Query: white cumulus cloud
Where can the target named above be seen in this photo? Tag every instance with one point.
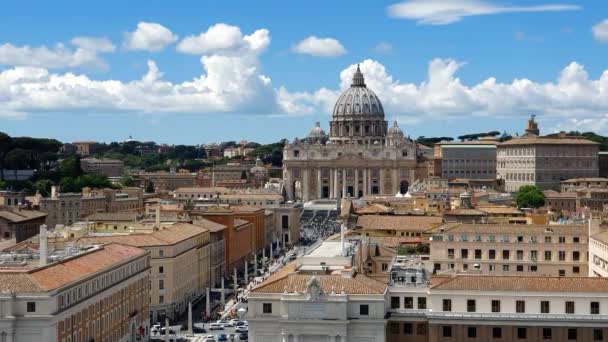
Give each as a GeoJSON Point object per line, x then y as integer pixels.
{"type": "Point", "coordinates": [223, 38]}
{"type": "Point", "coordinates": [443, 12]}
{"type": "Point", "coordinates": [84, 53]}
{"type": "Point", "coordinates": [600, 31]}
{"type": "Point", "coordinates": [149, 37]}
{"type": "Point", "coordinates": [320, 47]}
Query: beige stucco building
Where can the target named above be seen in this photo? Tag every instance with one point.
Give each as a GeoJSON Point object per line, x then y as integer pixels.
{"type": "Point", "coordinates": [545, 161]}
{"type": "Point", "coordinates": [361, 155]}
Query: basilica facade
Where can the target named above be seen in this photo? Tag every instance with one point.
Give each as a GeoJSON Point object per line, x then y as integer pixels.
{"type": "Point", "coordinates": [360, 156]}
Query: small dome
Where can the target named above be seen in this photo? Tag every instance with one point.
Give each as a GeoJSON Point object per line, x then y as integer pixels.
{"type": "Point", "coordinates": [395, 130]}
{"type": "Point", "coordinates": [317, 134]}
{"type": "Point", "coordinates": [259, 167]}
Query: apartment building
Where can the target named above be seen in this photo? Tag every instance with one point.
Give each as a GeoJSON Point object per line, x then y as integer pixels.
{"type": "Point", "coordinates": [102, 167]}
{"type": "Point", "coordinates": [19, 224]}
{"type": "Point", "coordinates": [179, 265]}
{"type": "Point", "coordinates": [164, 180]}
{"type": "Point", "coordinates": [598, 255]}
{"type": "Point", "coordinates": [98, 293]}
{"type": "Point", "coordinates": [508, 249]}
{"type": "Point", "coordinates": [468, 160]}
{"type": "Point", "coordinates": [577, 183]}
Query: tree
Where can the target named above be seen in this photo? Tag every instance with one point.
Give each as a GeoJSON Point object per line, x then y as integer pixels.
{"type": "Point", "coordinates": [127, 180]}
{"type": "Point", "coordinates": [5, 147]}
{"type": "Point", "coordinates": [529, 196]}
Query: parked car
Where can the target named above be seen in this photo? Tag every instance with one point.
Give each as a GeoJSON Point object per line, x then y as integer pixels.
{"type": "Point", "coordinates": [228, 324]}
{"type": "Point", "coordinates": [242, 329]}
{"type": "Point", "coordinates": [209, 338]}
{"type": "Point", "coordinates": [222, 337]}
{"type": "Point", "coordinates": [216, 326]}
{"type": "Point", "coordinates": [163, 330]}
{"type": "Point", "coordinates": [198, 330]}
{"type": "Point", "coordinates": [243, 337]}
{"type": "Point", "coordinates": [239, 324]}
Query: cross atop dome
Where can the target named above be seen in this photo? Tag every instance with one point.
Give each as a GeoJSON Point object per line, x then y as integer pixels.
{"type": "Point", "coordinates": [358, 80]}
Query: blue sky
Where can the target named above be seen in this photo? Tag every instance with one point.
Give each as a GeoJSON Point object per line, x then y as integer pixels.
{"type": "Point", "coordinates": [263, 71]}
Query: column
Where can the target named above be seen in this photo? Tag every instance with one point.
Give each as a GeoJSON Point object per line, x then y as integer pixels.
{"type": "Point", "coordinates": [208, 302]}
{"type": "Point", "coordinates": [167, 329]}
{"type": "Point", "coordinates": [284, 337]}
{"type": "Point", "coordinates": [223, 294]}
{"type": "Point", "coordinates": [331, 183]}
{"type": "Point", "coordinates": [369, 181]}
{"type": "Point", "coordinates": [305, 185]}
{"type": "Point", "coordinates": [289, 184]}
{"type": "Point", "coordinates": [344, 194]}
{"type": "Point", "coordinates": [190, 318]}
{"type": "Point", "coordinates": [236, 284]}
{"type": "Point", "coordinates": [336, 184]}
{"type": "Point", "coordinates": [365, 182]}
{"type": "Point", "coordinates": [296, 338]}
{"type": "Point", "coordinates": [246, 273]}
{"type": "Point", "coordinates": [356, 187]}
{"type": "Point", "coordinates": [255, 264]}
{"type": "Point", "coordinates": [319, 184]}
{"type": "Point", "coordinates": [382, 177]}
{"type": "Point", "coordinates": [395, 180]}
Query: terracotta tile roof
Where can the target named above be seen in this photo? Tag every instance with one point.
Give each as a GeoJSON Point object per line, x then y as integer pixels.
{"type": "Point", "coordinates": [547, 141]}
{"type": "Point", "coordinates": [500, 210]}
{"type": "Point", "coordinates": [465, 212]}
{"type": "Point", "coordinates": [67, 271]}
{"type": "Point", "coordinates": [398, 241]}
{"type": "Point", "coordinates": [457, 228]}
{"type": "Point", "coordinates": [398, 222]}
{"type": "Point", "coordinates": [204, 189]}
{"type": "Point", "coordinates": [519, 283]}
{"type": "Point", "coordinates": [126, 216]}
{"type": "Point", "coordinates": [167, 236]}
{"type": "Point", "coordinates": [601, 237]}
{"type": "Point", "coordinates": [20, 215]}
{"type": "Point", "coordinates": [207, 224]}
{"type": "Point", "coordinates": [359, 284]}
{"type": "Point", "coordinates": [375, 208]}
{"type": "Point", "coordinates": [239, 222]}
{"type": "Point", "coordinates": [554, 194]}
{"type": "Point", "coordinates": [589, 179]}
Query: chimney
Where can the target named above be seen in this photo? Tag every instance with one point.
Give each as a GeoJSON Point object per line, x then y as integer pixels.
{"type": "Point", "coordinates": [54, 191]}
{"type": "Point", "coordinates": [43, 245]}
{"type": "Point", "coordinates": [157, 222]}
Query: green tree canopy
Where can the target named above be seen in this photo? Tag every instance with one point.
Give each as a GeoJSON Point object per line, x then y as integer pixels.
{"type": "Point", "coordinates": [529, 196]}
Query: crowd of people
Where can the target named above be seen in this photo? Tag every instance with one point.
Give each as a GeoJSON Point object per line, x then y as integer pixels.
{"type": "Point", "coordinates": [317, 225]}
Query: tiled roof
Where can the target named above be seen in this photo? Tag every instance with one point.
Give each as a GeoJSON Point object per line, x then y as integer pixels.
{"type": "Point", "coordinates": [512, 229]}
{"type": "Point", "coordinates": [167, 236]}
{"type": "Point", "coordinates": [70, 270]}
{"type": "Point", "coordinates": [499, 209]}
{"type": "Point", "coordinates": [20, 215]}
{"type": "Point", "coordinates": [554, 194]}
{"type": "Point", "coordinates": [465, 212]}
{"type": "Point", "coordinates": [207, 224]}
{"type": "Point", "coordinates": [375, 208]}
{"type": "Point", "coordinates": [602, 237]}
{"type": "Point", "coordinates": [359, 284]}
{"type": "Point", "coordinates": [590, 179]}
{"type": "Point", "coordinates": [124, 216]}
{"type": "Point", "coordinates": [239, 222]}
{"type": "Point", "coordinates": [519, 283]}
{"type": "Point", "coordinates": [398, 222]}
{"type": "Point", "coordinates": [204, 189]}
{"type": "Point", "coordinates": [547, 141]}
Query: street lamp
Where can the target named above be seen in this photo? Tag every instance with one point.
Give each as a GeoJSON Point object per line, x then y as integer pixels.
{"type": "Point", "coordinates": [241, 312]}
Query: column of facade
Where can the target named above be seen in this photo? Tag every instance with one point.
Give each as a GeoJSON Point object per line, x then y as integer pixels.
{"type": "Point", "coordinates": [319, 184]}
{"type": "Point", "coordinates": [289, 184]}
{"type": "Point", "coordinates": [381, 182]}
{"type": "Point", "coordinates": [305, 185]}
{"type": "Point", "coordinates": [395, 180]}
{"type": "Point", "coordinates": [336, 184]}
{"type": "Point", "coordinates": [296, 338]}
{"type": "Point", "coordinates": [330, 182]}
{"type": "Point", "coordinates": [365, 182]}
{"type": "Point", "coordinates": [369, 181]}
{"type": "Point", "coordinates": [356, 187]}
{"type": "Point", "coordinates": [344, 194]}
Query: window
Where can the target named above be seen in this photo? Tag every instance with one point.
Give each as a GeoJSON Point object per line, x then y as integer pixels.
{"type": "Point", "coordinates": [31, 306]}
{"type": "Point", "coordinates": [544, 306]}
{"type": "Point", "coordinates": [364, 310]}
{"type": "Point", "coordinates": [408, 302]}
{"type": "Point", "coordinates": [161, 269]}
{"type": "Point", "coordinates": [520, 239]}
{"type": "Point", "coordinates": [491, 254]}
{"type": "Point", "coordinates": [161, 284]}
{"type": "Point", "coordinates": [394, 327]}
{"type": "Point", "coordinates": [520, 268]}
{"type": "Point", "coordinates": [492, 268]}
{"type": "Point", "coordinates": [495, 306]}
{"type": "Point", "coordinates": [447, 305]}
{"type": "Point", "coordinates": [464, 253]}
{"type": "Point", "coordinates": [505, 268]}
{"type": "Point", "coordinates": [562, 239]}
{"type": "Point", "coordinates": [576, 269]}
{"type": "Point", "coordinates": [478, 254]}
{"type": "Point", "coordinates": [522, 333]}
{"type": "Point", "coordinates": [407, 328]}
{"type": "Point", "coordinates": [520, 255]}
{"type": "Point", "coordinates": [505, 254]}
{"type": "Point", "coordinates": [547, 239]}
{"type": "Point", "coordinates": [598, 334]}
{"type": "Point", "coordinates": [395, 302]}
{"type": "Point", "coordinates": [595, 308]}
{"type": "Point", "coordinates": [470, 305]}
{"type": "Point", "coordinates": [569, 307]}
{"type": "Point", "coordinates": [547, 255]}
{"type": "Point", "coordinates": [533, 255]}
{"type": "Point", "coordinates": [572, 334]}
{"type": "Point", "coordinates": [496, 332]}
{"type": "Point", "coordinates": [562, 273]}
{"type": "Point", "coordinates": [285, 222]}
{"type": "Point", "coordinates": [576, 239]}
{"type": "Point", "coordinates": [547, 333]}
{"type": "Point", "coordinates": [296, 153]}
{"type": "Point", "coordinates": [561, 255]}
{"type": "Point", "coordinates": [451, 253]}
{"type": "Point", "coordinates": [161, 253]}
{"type": "Point", "coordinates": [422, 303]}
{"type": "Point", "coordinates": [421, 329]}
{"type": "Point", "coordinates": [267, 308]}
{"type": "Point", "coordinates": [161, 299]}
{"type": "Point", "coordinates": [447, 331]}
{"type": "Point", "coordinates": [472, 332]}
{"type": "Point", "coordinates": [520, 306]}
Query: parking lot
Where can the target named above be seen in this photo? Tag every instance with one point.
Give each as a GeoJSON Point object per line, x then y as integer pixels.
{"type": "Point", "coordinates": [229, 332]}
